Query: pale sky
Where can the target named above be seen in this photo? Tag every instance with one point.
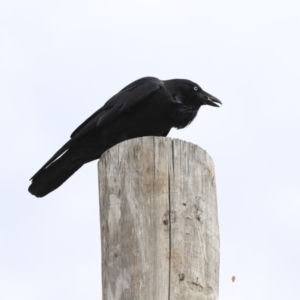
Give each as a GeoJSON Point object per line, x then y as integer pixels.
{"type": "Point", "coordinates": [61, 60]}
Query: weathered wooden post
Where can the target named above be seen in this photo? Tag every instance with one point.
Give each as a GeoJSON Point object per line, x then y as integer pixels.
{"type": "Point", "coordinates": [159, 223]}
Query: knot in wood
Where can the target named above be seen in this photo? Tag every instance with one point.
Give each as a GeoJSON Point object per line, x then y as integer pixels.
{"type": "Point", "coordinates": [166, 218]}
{"type": "Point", "coordinates": [181, 277]}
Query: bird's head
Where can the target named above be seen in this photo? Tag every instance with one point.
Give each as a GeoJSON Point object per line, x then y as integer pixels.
{"type": "Point", "coordinates": [190, 94]}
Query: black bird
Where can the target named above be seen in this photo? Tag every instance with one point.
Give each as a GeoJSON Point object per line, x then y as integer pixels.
{"type": "Point", "coordinates": [146, 107]}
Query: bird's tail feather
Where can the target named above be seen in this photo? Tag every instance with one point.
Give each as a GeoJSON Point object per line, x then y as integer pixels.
{"type": "Point", "coordinates": [53, 176]}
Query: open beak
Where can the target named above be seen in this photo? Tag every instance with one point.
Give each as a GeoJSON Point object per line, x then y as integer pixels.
{"type": "Point", "coordinates": [209, 99]}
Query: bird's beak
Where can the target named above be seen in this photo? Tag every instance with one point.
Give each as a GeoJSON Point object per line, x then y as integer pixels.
{"type": "Point", "coordinates": [209, 99]}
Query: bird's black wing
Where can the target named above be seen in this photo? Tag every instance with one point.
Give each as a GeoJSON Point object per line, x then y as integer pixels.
{"type": "Point", "coordinates": [128, 97]}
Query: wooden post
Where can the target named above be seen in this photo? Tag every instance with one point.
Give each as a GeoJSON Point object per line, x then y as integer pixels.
{"type": "Point", "coordinates": [159, 223]}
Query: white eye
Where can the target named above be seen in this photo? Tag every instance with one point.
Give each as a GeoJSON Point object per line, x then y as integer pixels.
{"type": "Point", "coordinates": [195, 88]}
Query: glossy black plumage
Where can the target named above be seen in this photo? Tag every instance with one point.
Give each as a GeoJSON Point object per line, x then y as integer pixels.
{"type": "Point", "coordinates": [146, 107]}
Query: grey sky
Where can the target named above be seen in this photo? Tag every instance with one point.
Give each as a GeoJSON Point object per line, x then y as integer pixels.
{"type": "Point", "coordinates": [61, 60]}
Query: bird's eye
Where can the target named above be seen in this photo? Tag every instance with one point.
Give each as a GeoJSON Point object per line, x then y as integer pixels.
{"type": "Point", "coordinates": [195, 88]}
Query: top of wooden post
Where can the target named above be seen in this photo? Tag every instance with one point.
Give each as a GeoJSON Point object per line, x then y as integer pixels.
{"type": "Point", "coordinates": [159, 222]}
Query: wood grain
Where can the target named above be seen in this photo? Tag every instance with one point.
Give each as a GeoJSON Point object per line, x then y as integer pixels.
{"type": "Point", "coordinates": [159, 223]}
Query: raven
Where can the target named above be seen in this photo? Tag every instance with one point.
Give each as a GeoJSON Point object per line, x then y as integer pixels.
{"type": "Point", "coordinates": [145, 107]}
